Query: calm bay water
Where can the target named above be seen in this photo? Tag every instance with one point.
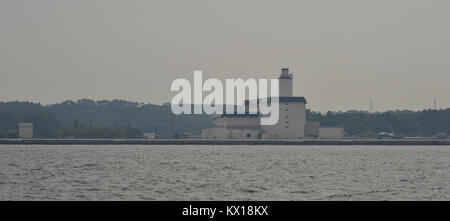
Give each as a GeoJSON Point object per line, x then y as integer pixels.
{"type": "Point", "coordinates": [224, 172]}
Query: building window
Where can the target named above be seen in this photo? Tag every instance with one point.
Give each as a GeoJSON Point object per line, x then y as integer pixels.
{"type": "Point", "coordinates": [287, 109]}
{"type": "Point", "coordinates": [287, 126]}
{"type": "Point", "coordinates": [287, 116]}
{"type": "Point", "coordinates": [287, 122]}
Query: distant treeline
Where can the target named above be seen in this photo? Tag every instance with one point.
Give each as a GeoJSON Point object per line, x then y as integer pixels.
{"type": "Point", "coordinates": [97, 119]}
{"type": "Point", "coordinates": [123, 119]}
{"type": "Point", "coordinates": [402, 123]}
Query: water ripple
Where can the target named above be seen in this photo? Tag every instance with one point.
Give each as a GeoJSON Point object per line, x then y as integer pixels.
{"type": "Point", "coordinates": [224, 173]}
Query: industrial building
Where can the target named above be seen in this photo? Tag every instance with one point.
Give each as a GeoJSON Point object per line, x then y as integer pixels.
{"type": "Point", "coordinates": [312, 129]}
{"type": "Point", "coordinates": [25, 130]}
{"type": "Point", "coordinates": [291, 124]}
{"type": "Point", "coordinates": [331, 132]}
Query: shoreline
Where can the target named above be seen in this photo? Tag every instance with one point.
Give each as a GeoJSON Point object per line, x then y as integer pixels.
{"type": "Point", "coordinates": [345, 141]}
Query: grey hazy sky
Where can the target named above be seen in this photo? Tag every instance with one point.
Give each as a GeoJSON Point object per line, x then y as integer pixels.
{"type": "Point", "coordinates": [342, 53]}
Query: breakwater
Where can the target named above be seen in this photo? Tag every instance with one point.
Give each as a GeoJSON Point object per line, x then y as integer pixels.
{"type": "Point", "coordinates": [345, 141]}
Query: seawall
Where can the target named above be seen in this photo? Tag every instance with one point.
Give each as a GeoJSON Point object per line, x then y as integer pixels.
{"type": "Point", "coordinates": [223, 142]}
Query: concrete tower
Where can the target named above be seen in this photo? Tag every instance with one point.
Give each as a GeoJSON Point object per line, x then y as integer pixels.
{"type": "Point", "coordinates": [285, 83]}
{"type": "Point", "coordinates": [292, 118]}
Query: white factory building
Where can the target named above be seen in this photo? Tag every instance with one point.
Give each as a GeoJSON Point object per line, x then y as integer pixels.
{"type": "Point", "coordinates": [291, 124]}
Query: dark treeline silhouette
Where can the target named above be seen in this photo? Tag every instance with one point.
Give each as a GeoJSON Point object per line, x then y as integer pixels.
{"type": "Point", "coordinates": [123, 119]}
{"type": "Point", "coordinates": [402, 123]}
{"type": "Point", "coordinates": [97, 119]}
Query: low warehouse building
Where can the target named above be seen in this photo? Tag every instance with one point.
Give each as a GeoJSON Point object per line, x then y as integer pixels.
{"type": "Point", "coordinates": [312, 129]}
{"type": "Point", "coordinates": [331, 132]}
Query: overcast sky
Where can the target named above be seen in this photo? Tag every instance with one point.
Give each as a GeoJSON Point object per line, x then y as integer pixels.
{"type": "Point", "coordinates": [342, 53]}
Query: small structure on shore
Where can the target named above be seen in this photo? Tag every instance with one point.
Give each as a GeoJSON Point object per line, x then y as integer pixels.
{"type": "Point", "coordinates": [331, 132]}
{"type": "Point", "coordinates": [25, 130]}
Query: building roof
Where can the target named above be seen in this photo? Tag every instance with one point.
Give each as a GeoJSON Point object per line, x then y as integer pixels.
{"type": "Point", "coordinates": [285, 99]}
{"type": "Point", "coordinates": [240, 115]}
{"type": "Point", "coordinates": [293, 99]}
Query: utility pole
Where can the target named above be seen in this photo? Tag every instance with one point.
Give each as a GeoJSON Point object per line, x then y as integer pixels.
{"type": "Point", "coordinates": [435, 103]}
{"type": "Point", "coordinates": [371, 105]}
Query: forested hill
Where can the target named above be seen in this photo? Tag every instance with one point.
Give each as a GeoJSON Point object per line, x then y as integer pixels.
{"type": "Point", "coordinates": [52, 120]}
{"type": "Point", "coordinates": [403, 123]}
{"type": "Point", "coordinates": [123, 119]}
